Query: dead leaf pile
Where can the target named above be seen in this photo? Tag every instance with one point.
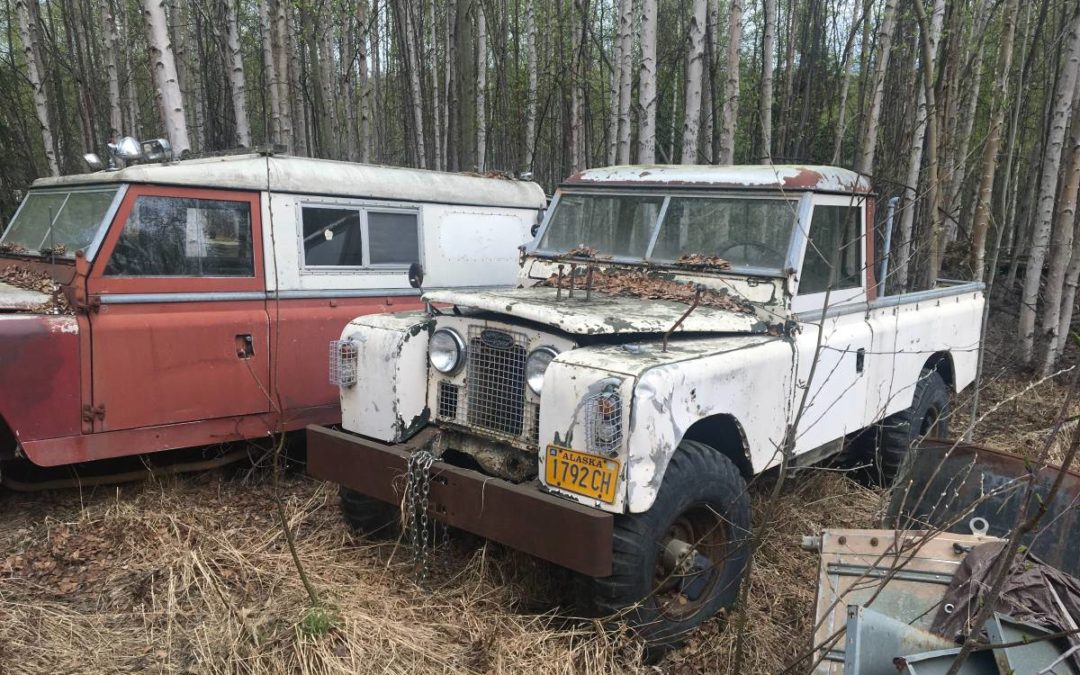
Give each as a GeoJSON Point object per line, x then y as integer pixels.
{"type": "Point", "coordinates": [11, 247]}
{"type": "Point", "coordinates": [583, 251]}
{"type": "Point", "coordinates": [649, 285]}
{"type": "Point", "coordinates": [702, 262]}
{"type": "Point", "coordinates": [29, 279]}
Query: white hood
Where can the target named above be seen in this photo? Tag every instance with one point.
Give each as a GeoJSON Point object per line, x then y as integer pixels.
{"type": "Point", "coordinates": [602, 314]}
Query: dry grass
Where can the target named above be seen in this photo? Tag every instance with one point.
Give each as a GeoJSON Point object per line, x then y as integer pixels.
{"type": "Point", "coordinates": [192, 576]}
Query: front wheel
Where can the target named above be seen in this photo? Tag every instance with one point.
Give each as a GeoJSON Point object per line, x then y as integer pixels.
{"type": "Point", "coordinates": [369, 517]}
{"type": "Point", "coordinates": [681, 561]}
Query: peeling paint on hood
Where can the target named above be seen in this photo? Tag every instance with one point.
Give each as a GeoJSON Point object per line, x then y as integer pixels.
{"type": "Point", "coordinates": [791, 177]}
{"type": "Point", "coordinates": [602, 314]}
{"type": "Point", "coordinates": [20, 300]}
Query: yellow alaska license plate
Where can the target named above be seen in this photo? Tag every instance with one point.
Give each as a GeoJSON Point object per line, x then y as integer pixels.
{"type": "Point", "coordinates": [582, 473]}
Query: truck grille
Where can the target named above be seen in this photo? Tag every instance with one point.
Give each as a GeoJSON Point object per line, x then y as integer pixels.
{"type": "Point", "coordinates": [495, 395]}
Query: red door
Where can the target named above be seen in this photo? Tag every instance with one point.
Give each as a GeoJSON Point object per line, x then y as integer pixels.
{"type": "Point", "coordinates": [182, 332]}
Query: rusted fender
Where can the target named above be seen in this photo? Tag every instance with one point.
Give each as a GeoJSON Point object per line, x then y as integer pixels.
{"type": "Point", "coordinates": [39, 369]}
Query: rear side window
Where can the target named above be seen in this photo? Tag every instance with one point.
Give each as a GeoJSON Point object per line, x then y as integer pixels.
{"type": "Point", "coordinates": [834, 252]}
{"type": "Point", "coordinates": [332, 237]}
{"type": "Point", "coordinates": [183, 237]}
{"type": "Point", "coordinates": [359, 237]}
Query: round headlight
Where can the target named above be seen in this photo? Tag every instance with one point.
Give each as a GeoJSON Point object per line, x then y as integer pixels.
{"type": "Point", "coordinates": [445, 350]}
{"type": "Point", "coordinates": [536, 365]}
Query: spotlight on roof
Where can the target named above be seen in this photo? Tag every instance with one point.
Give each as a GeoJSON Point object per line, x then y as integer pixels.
{"type": "Point", "coordinates": [93, 161]}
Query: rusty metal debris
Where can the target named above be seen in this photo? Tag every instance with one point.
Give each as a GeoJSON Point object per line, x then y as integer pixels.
{"type": "Point", "coordinates": [879, 592]}
{"type": "Point", "coordinates": [29, 279]}
{"type": "Point", "coordinates": [949, 484]}
{"type": "Point", "coordinates": [651, 285]}
{"type": "Point", "coordinates": [901, 574]}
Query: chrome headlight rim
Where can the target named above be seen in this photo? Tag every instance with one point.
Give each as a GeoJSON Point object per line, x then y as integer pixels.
{"type": "Point", "coordinates": [459, 353]}
{"type": "Point", "coordinates": [546, 351]}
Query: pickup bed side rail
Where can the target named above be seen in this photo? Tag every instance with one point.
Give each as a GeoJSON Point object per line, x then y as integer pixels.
{"type": "Point", "coordinates": [958, 288]}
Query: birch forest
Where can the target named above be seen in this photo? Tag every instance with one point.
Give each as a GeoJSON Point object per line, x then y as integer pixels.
{"type": "Point", "coordinates": [962, 111]}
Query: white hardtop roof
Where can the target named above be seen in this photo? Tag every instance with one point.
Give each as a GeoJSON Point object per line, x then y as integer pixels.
{"type": "Point", "coordinates": [319, 176]}
{"type": "Point", "coordinates": [755, 176]}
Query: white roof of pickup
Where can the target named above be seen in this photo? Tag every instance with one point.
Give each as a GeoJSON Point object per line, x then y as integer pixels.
{"type": "Point", "coordinates": [756, 176]}
{"type": "Point", "coordinates": [319, 176]}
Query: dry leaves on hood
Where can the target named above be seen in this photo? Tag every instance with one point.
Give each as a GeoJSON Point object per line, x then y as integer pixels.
{"type": "Point", "coordinates": [29, 279]}
{"type": "Point", "coordinates": [649, 285]}
{"type": "Point", "coordinates": [702, 262]}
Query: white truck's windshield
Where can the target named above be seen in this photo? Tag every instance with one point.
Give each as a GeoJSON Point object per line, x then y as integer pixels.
{"type": "Point", "coordinates": [58, 222]}
{"type": "Point", "coordinates": [748, 232]}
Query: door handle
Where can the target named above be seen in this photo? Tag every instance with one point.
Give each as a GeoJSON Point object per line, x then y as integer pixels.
{"type": "Point", "coordinates": [245, 346]}
{"type": "Point", "coordinates": [860, 359]}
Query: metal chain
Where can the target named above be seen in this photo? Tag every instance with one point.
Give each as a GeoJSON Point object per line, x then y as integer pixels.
{"type": "Point", "coordinates": [417, 492]}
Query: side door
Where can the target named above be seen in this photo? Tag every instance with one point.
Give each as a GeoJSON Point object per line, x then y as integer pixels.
{"type": "Point", "coordinates": [831, 302]}
{"type": "Point", "coordinates": [180, 332]}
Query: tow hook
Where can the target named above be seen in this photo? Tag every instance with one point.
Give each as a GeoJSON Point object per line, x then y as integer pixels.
{"type": "Point", "coordinates": [692, 571]}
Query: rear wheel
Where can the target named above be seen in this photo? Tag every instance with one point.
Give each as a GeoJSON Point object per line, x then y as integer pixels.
{"type": "Point", "coordinates": [681, 561]}
{"type": "Point", "coordinates": [928, 417]}
{"type": "Point", "coordinates": [370, 517]}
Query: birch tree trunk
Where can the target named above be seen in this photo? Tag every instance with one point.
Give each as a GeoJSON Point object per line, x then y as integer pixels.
{"type": "Point", "coordinates": [767, 81]}
{"type": "Point", "coordinates": [865, 163]}
{"type": "Point", "coordinates": [282, 54]}
{"type": "Point", "coordinates": [906, 226]}
{"type": "Point", "coordinates": [349, 58]}
{"type": "Point", "coordinates": [363, 82]}
{"type": "Point", "coordinates": [694, 70]}
{"type": "Point", "coordinates": [1062, 100]}
{"type": "Point", "coordinates": [578, 18]}
{"type": "Point", "coordinates": [981, 219]}
{"type": "Point", "coordinates": [170, 101]}
{"type": "Point", "coordinates": [433, 60]}
{"type": "Point", "coordinates": [932, 191]}
{"type": "Point", "coordinates": [612, 121]}
{"type": "Point", "coordinates": [266, 22]}
{"type": "Point", "coordinates": [112, 43]}
{"type": "Point", "coordinates": [626, 60]}
{"type": "Point", "coordinates": [330, 144]}
{"type": "Point", "coordinates": [731, 87]}
{"type": "Point", "coordinates": [845, 86]}
{"type": "Point", "coordinates": [28, 33]}
{"type": "Point", "coordinates": [531, 58]}
{"type": "Point", "coordinates": [1066, 222]}
{"type": "Point", "coordinates": [237, 82]}
{"type": "Point", "coordinates": [481, 87]}
{"type": "Point", "coordinates": [376, 76]}
{"type": "Point", "coordinates": [1064, 237]}
{"type": "Point", "coordinates": [647, 85]}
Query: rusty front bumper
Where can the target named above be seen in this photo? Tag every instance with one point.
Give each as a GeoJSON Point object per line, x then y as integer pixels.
{"type": "Point", "coordinates": [520, 516]}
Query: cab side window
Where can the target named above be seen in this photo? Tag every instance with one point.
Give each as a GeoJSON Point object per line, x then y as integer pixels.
{"type": "Point", "coordinates": [184, 237]}
{"type": "Point", "coordinates": [833, 251]}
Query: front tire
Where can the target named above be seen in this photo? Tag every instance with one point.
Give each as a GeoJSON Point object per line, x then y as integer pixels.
{"type": "Point", "coordinates": [682, 561]}
{"type": "Point", "coordinates": [370, 517]}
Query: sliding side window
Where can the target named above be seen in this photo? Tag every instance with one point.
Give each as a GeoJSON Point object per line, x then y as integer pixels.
{"type": "Point", "coordinates": [359, 237]}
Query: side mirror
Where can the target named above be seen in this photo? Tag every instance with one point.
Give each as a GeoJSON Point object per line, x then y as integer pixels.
{"type": "Point", "coordinates": [416, 275]}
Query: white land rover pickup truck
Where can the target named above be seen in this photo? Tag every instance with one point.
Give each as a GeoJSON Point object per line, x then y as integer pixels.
{"type": "Point", "coordinates": [672, 323]}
